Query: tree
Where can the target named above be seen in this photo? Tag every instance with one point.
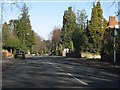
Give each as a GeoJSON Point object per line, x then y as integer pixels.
{"type": "Point", "coordinates": [12, 43]}
{"type": "Point", "coordinates": [9, 40]}
{"type": "Point", "coordinates": [19, 33]}
{"type": "Point", "coordinates": [69, 25]}
{"type": "Point", "coordinates": [79, 37]}
{"type": "Point", "coordinates": [47, 46]}
{"type": "Point", "coordinates": [13, 27]}
{"type": "Point", "coordinates": [24, 29]}
{"type": "Point", "coordinates": [5, 33]}
{"type": "Point", "coordinates": [40, 46]}
{"type": "Point", "coordinates": [108, 44]}
{"type": "Point", "coordinates": [106, 38]}
{"type": "Point", "coordinates": [95, 30]}
{"type": "Point", "coordinates": [77, 40]}
{"type": "Point", "coordinates": [56, 38]}
{"type": "Point", "coordinates": [81, 19]}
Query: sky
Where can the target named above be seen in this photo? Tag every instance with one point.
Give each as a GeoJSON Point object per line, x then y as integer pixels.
{"type": "Point", "coordinates": [45, 15]}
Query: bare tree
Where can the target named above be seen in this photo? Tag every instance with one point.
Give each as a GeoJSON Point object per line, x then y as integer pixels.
{"type": "Point", "coordinates": [55, 38]}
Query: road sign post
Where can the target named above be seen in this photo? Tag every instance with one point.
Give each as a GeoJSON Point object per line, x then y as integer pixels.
{"type": "Point", "coordinates": [114, 53]}
{"type": "Point", "coordinates": [115, 34]}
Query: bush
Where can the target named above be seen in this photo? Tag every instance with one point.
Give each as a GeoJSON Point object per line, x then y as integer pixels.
{"type": "Point", "coordinates": [56, 52]}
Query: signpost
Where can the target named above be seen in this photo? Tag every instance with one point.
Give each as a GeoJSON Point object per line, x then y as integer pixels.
{"type": "Point", "coordinates": [115, 34]}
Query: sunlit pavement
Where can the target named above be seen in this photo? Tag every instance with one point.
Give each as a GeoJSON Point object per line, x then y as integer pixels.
{"type": "Point", "coordinates": [59, 72]}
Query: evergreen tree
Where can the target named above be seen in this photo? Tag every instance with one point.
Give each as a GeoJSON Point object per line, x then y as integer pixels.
{"type": "Point", "coordinates": [5, 33]}
{"type": "Point", "coordinates": [69, 25]}
{"type": "Point", "coordinates": [13, 27]}
{"type": "Point", "coordinates": [19, 33]}
{"type": "Point", "coordinates": [9, 40]}
{"type": "Point", "coordinates": [95, 30]}
{"type": "Point", "coordinates": [79, 37]}
{"type": "Point", "coordinates": [81, 19]}
{"type": "Point", "coordinates": [107, 40]}
{"type": "Point", "coordinates": [24, 29]}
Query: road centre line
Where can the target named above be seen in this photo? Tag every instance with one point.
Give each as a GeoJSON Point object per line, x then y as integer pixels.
{"type": "Point", "coordinates": [77, 79]}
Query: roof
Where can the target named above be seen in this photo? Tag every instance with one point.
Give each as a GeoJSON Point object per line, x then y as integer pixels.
{"type": "Point", "coordinates": [112, 22]}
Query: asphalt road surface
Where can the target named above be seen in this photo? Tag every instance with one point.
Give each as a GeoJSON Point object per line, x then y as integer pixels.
{"type": "Point", "coordinates": [57, 72]}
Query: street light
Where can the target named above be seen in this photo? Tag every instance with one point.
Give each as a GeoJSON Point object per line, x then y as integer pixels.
{"type": "Point", "coordinates": [115, 34]}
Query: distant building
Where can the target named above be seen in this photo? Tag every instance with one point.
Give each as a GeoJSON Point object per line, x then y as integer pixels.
{"type": "Point", "coordinates": [112, 22]}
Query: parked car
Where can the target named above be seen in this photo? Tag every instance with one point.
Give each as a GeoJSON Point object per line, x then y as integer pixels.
{"type": "Point", "coordinates": [19, 54]}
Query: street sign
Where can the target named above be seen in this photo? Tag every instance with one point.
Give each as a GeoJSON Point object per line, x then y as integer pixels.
{"type": "Point", "coordinates": [116, 26]}
{"type": "Point", "coordinates": [115, 33]}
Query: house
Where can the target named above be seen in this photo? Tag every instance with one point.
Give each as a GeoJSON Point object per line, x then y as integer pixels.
{"type": "Point", "coordinates": [112, 22]}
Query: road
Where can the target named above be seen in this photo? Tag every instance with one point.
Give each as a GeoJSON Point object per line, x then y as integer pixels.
{"type": "Point", "coordinates": [57, 72]}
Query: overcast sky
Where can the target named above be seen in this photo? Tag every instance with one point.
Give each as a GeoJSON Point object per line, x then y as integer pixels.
{"type": "Point", "coordinates": [46, 15]}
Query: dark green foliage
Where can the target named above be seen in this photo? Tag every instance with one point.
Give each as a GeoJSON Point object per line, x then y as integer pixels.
{"type": "Point", "coordinates": [69, 25]}
{"type": "Point", "coordinates": [79, 37]}
{"type": "Point", "coordinates": [107, 42]}
{"type": "Point", "coordinates": [95, 29]}
{"type": "Point", "coordinates": [12, 42]}
{"type": "Point", "coordinates": [107, 51]}
{"type": "Point", "coordinates": [81, 19]}
{"type": "Point", "coordinates": [8, 38]}
{"type": "Point", "coordinates": [77, 40]}
{"type": "Point", "coordinates": [25, 33]}
{"type": "Point", "coordinates": [18, 33]}
{"type": "Point", "coordinates": [80, 41]}
{"type": "Point", "coordinates": [5, 33]}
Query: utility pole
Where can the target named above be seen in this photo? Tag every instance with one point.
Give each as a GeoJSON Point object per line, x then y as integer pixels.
{"type": "Point", "coordinates": [1, 23]}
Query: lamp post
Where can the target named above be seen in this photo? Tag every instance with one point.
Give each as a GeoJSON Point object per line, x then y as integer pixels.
{"type": "Point", "coordinates": [115, 34]}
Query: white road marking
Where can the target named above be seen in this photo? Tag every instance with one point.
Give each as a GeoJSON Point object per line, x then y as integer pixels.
{"type": "Point", "coordinates": [77, 79]}
{"type": "Point", "coordinates": [59, 68]}
{"type": "Point", "coordinates": [56, 66]}
{"type": "Point", "coordinates": [49, 63]}
{"type": "Point", "coordinates": [70, 75]}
